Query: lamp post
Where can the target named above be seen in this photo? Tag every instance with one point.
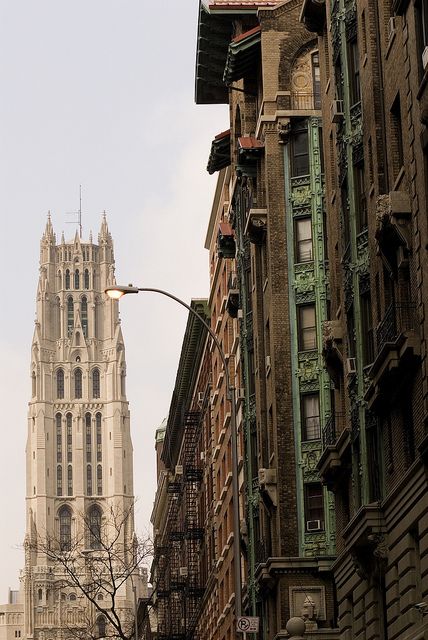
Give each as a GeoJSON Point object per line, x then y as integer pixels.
{"type": "Point", "coordinates": [117, 292]}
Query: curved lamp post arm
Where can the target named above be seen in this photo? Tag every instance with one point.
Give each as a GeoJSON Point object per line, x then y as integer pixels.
{"type": "Point", "coordinates": [117, 292]}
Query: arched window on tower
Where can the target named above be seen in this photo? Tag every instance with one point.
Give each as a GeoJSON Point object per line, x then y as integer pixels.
{"type": "Point", "coordinates": [101, 627]}
{"type": "Point", "coordinates": [58, 438]}
{"type": "Point", "coordinates": [84, 315]}
{"type": "Point", "coordinates": [33, 384]}
{"type": "Point", "coordinates": [99, 480]}
{"type": "Point", "coordinates": [57, 318]}
{"type": "Point", "coordinates": [78, 383]}
{"type": "Point", "coordinates": [70, 316]}
{"type": "Point", "coordinates": [86, 279]}
{"type": "Point", "coordinates": [59, 480]}
{"type": "Point", "coordinates": [69, 420]}
{"type": "Point", "coordinates": [70, 480]}
{"type": "Point", "coordinates": [99, 437]}
{"type": "Point", "coordinates": [96, 383]}
{"type": "Point", "coordinates": [67, 278]}
{"type": "Point", "coordinates": [88, 429]}
{"type": "Point", "coordinates": [64, 515]}
{"type": "Point", "coordinates": [77, 279]}
{"type": "Point", "coordinates": [60, 384]}
{"type": "Point", "coordinates": [89, 480]}
{"type": "Point", "coordinates": [94, 525]}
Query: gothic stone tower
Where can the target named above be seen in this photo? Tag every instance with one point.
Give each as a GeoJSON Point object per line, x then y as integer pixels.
{"type": "Point", "coordinates": [79, 451]}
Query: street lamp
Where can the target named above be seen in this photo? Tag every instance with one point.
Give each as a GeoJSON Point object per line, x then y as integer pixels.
{"type": "Point", "coordinates": [116, 293]}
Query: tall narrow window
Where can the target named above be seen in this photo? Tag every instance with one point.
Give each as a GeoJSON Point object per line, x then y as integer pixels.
{"type": "Point", "coordinates": [303, 235]}
{"type": "Point", "coordinates": [316, 79]}
{"type": "Point", "coordinates": [77, 279]}
{"type": "Point", "coordinates": [60, 384]}
{"type": "Point", "coordinates": [84, 315]}
{"type": "Point", "coordinates": [78, 383]}
{"type": "Point", "coordinates": [58, 438]}
{"type": "Point", "coordinates": [300, 153]}
{"type": "Point", "coordinates": [101, 627]}
{"type": "Point", "coordinates": [59, 480]}
{"type": "Point", "coordinates": [354, 72]}
{"type": "Point", "coordinates": [314, 507]}
{"type": "Point", "coordinates": [70, 480]}
{"type": "Point", "coordinates": [89, 480]}
{"type": "Point", "coordinates": [88, 429]}
{"type": "Point", "coordinates": [65, 528]}
{"type": "Point", "coordinates": [69, 420]}
{"type": "Point", "coordinates": [122, 382]}
{"type": "Point", "coordinates": [360, 197]}
{"type": "Point", "coordinates": [367, 328]}
{"type": "Point", "coordinates": [70, 316]}
{"type": "Point", "coordinates": [86, 279]}
{"type": "Point", "coordinates": [311, 417]}
{"type": "Point", "coordinates": [96, 383]}
{"type": "Point", "coordinates": [57, 318]}
{"type": "Point", "coordinates": [396, 140]}
{"type": "Point", "coordinates": [421, 21]}
{"type": "Point", "coordinates": [67, 278]}
{"type": "Point", "coordinates": [307, 327]}
{"type": "Point", "coordinates": [99, 480]}
{"type": "Point", "coordinates": [94, 522]}
{"type": "Point", "coordinates": [99, 437]}
{"type": "Point", "coordinates": [33, 384]}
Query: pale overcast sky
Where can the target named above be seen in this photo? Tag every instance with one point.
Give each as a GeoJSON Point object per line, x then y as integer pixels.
{"type": "Point", "coordinates": [100, 93]}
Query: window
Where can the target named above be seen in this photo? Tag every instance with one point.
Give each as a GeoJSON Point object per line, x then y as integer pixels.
{"type": "Point", "coordinates": [89, 480]}
{"type": "Point", "coordinates": [33, 384]}
{"type": "Point", "coordinates": [77, 279]}
{"type": "Point", "coordinates": [306, 328]}
{"type": "Point", "coordinates": [59, 480]}
{"type": "Point", "coordinates": [94, 522]}
{"type": "Point", "coordinates": [311, 417]}
{"type": "Point", "coordinates": [354, 72]}
{"type": "Point", "coordinates": [88, 437]}
{"type": "Point", "coordinates": [65, 528]}
{"type": "Point", "coordinates": [316, 79]}
{"type": "Point", "coordinates": [67, 278]}
{"type": "Point", "coordinates": [86, 279]}
{"type": "Point", "coordinates": [360, 197]}
{"type": "Point", "coordinates": [101, 627]}
{"type": "Point", "coordinates": [421, 21]}
{"type": "Point", "coordinates": [60, 384]}
{"type": "Point", "coordinates": [96, 383]}
{"type": "Point", "coordinates": [70, 480]}
{"type": "Point", "coordinates": [69, 420]}
{"type": "Point", "coordinates": [396, 139]}
{"type": "Point", "coordinates": [314, 506]}
{"type": "Point", "coordinates": [303, 236]}
{"type": "Point", "coordinates": [99, 437]}
{"type": "Point", "coordinates": [70, 316]}
{"type": "Point", "coordinates": [367, 329]}
{"type": "Point", "coordinates": [99, 480]}
{"type": "Point", "coordinates": [78, 383]}
{"type": "Point", "coordinates": [84, 315]}
{"type": "Point", "coordinates": [300, 153]}
{"type": "Point", "coordinates": [58, 438]}
{"type": "Point", "coordinates": [122, 382]}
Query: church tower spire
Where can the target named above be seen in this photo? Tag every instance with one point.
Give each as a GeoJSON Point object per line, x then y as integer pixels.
{"type": "Point", "coordinates": [79, 450]}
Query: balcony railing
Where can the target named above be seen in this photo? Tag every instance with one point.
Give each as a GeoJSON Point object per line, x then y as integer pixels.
{"type": "Point", "coordinates": [330, 431]}
{"type": "Point", "coordinates": [398, 318]}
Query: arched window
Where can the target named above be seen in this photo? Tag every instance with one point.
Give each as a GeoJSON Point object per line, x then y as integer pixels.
{"type": "Point", "coordinates": [60, 384]}
{"type": "Point", "coordinates": [96, 383]}
{"type": "Point", "coordinates": [101, 627]}
{"type": "Point", "coordinates": [99, 480]}
{"type": "Point", "coordinates": [58, 438]}
{"type": "Point", "coordinates": [84, 315]}
{"type": "Point", "coordinates": [89, 480]}
{"type": "Point", "coordinates": [99, 437]}
{"type": "Point", "coordinates": [69, 420]}
{"type": "Point", "coordinates": [77, 279]}
{"type": "Point", "coordinates": [72, 597]}
{"type": "Point", "coordinates": [70, 480]}
{"type": "Point", "coordinates": [78, 383]}
{"type": "Point", "coordinates": [33, 384]}
{"type": "Point", "coordinates": [40, 595]}
{"type": "Point", "coordinates": [65, 528]}
{"type": "Point", "coordinates": [70, 316]}
{"type": "Point", "coordinates": [88, 437]}
{"type": "Point", "coordinates": [94, 523]}
{"type": "Point", "coordinates": [67, 278]}
{"type": "Point", "coordinates": [59, 480]}
{"type": "Point", "coordinates": [86, 279]}
{"type": "Point", "coordinates": [57, 318]}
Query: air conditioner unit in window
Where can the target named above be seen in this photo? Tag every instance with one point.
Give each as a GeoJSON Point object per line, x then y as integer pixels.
{"type": "Point", "coordinates": [313, 525]}
{"type": "Point", "coordinates": [425, 58]}
{"type": "Point", "coordinates": [178, 469]}
{"type": "Point", "coordinates": [392, 25]}
{"type": "Point", "coordinates": [336, 110]}
{"type": "Point", "coordinates": [351, 366]}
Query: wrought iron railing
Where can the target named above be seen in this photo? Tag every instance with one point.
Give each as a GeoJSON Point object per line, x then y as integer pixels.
{"type": "Point", "coordinates": [330, 431]}
{"type": "Point", "coordinates": [397, 319]}
{"type": "Point", "coordinates": [261, 551]}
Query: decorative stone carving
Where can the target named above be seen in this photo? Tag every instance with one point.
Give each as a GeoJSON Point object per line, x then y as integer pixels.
{"type": "Point", "coordinates": [309, 603]}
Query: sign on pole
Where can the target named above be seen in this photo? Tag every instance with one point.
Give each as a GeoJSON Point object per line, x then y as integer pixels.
{"type": "Point", "coordinates": [246, 624]}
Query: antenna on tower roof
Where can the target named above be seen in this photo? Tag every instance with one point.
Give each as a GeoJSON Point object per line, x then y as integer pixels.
{"type": "Point", "coordinates": [77, 213]}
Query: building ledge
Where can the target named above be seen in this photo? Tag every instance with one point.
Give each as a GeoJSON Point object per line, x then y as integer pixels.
{"type": "Point", "coordinates": [334, 462]}
{"type": "Point", "coordinates": [267, 573]}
